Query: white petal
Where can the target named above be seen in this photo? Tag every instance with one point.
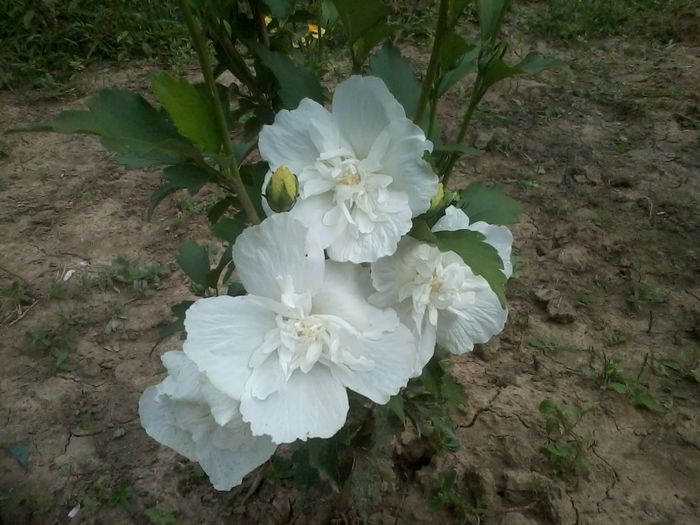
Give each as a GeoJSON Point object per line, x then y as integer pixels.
{"type": "Point", "coordinates": [159, 423]}
{"type": "Point", "coordinates": [225, 453]}
{"type": "Point", "coordinates": [483, 320]}
{"type": "Point", "coordinates": [425, 343]}
{"type": "Point", "coordinates": [394, 357]}
{"type": "Point", "coordinates": [266, 378]}
{"type": "Point", "coordinates": [453, 220]}
{"type": "Point", "coordinates": [390, 274]}
{"type": "Point", "coordinates": [381, 241]}
{"type": "Point", "coordinates": [500, 238]}
{"type": "Point", "coordinates": [402, 159]}
{"type": "Point", "coordinates": [231, 453]}
{"type": "Point", "coordinates": [311, 211]}
{"type": "Point", "coordinates": [297, 137]}
{"type": "Point", "coordinates": [184, 381]}
{"type": "Point", "coordinates": [280, 246]}
{"type": "Point", "coordinates": [345, 290]}
{"type": "Point", "coordinates": [363, 107]}
{"type": "Point", "coordinates": [312, 404]}
{"type": "Point", "coordinates": [222, 334]}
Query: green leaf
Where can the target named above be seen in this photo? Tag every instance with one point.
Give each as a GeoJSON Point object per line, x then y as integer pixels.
{"type": "Point", "coordinates": [294, 82]}
{"type": "Point", "coordinates": [398, 75]}
{"type": "Point", "coordinates": [548, 407]}
{"type": "Point", "coordinates": [463, 67]}
{"type": "Point", "coordinates": [422, 232]}
{"type": "Point", "coordinates": [489, 204]}
{"type": "Point", "coordinates": [643, 399]}
{"type": "Point", "coordinates": [126, 123]}
{"type": "Point", "coordinates": [359, 17]}
{"type": "Point", "coordinates": [280, 9]}
{"type": "Point", "coordinates": [561, 449]}
{"type": "Point", "coordinates": [190, 109]}
{"type": "Point", "coordinates": [481, 257]}
{"type": "Point", "coordinates": [491, 14]}
{"type": "Point", "coordinates": [194, 261]}
{"type": "Point", "coordinates": [179, 176]}
{"type": "Point", "coordinates": [364, 45]}
{"type": "Point", "coordinates": [451, 391]}
{"type": "Point", "coordinates": [534, 63]}
{"type": "Point", "coordinates": [219, 208]}
{"type": "Point", "coordinates": [395, 406]}
{"type": "Point", "coordinates": [228, 229]}
{"type": "Point", "coordinates": [620, 388]}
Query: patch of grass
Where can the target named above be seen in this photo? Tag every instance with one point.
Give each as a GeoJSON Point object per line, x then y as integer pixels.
{"type": "Point", "coordinates": [58, 341]}
{"type": "Point", "coordinates": [46, 42]}
{"type": "Point", "coordinates": [583, 20]}
{"type": "Point", "coordinates": [142, 278]}
{"type": "Point", "coordinates": [17, 295]}
{"type": "Point", "coordinates": [588, 300]}
{"type": "Point", "coordinates": [565, 447]}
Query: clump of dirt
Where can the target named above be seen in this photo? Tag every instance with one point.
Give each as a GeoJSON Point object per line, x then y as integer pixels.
{"type": "Point", "coordinates": [604, 316]}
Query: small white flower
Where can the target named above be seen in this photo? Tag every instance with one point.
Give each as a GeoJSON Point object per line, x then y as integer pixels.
{"type": "Point", "coordinates": [361, 171]}
{"type": "Point", "coordinates": [186, 413]}
{"type": "Point", "coordinates": [438, 295]}
{"type": "Point", "coordinates": [306, 332]}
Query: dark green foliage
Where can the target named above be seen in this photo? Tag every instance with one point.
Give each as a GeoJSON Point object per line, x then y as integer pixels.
{"type": "Point", "coordinates": [45, 41]}
{"type": "Point", "coordinates": [580, 20]}
{"type": "Point", "coordinates": [361, 458]}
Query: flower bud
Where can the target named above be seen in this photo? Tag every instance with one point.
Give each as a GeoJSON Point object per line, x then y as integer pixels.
{"type": "Point", "coordinates": [282, 191]}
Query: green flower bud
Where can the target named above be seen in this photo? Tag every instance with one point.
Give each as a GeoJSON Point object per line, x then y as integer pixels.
{"type": "Point", "coordinates": [282, 192]}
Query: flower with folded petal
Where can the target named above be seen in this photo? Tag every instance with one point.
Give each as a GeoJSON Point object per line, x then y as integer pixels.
{"type": "Point", "coordinates": [437, 294]}
{"type": "Point", "coordinates": [186, 413]}
{"type": "Point", "coordinates": [361, 171]}
{"type": "Point", "coordinates": [304, 334]}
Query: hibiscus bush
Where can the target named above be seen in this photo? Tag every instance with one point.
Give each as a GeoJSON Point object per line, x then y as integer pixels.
{"type": "Point", "coordinates": [351, 270]}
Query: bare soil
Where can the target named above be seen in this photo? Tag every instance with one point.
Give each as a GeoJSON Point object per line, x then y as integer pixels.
{"type": "Point", "coordinates": [605, 160]}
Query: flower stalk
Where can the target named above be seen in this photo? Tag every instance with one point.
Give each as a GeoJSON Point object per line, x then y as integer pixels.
{"type": "Point", "coordinates": [431, 73]}
{"type": "Point", "coordinates": [229, 165]}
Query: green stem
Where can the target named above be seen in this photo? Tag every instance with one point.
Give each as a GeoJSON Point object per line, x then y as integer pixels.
{"type": "Point", "coordinates": [229, 166]}
{"type": "Point", "coordinates": [242, 71]}
{"type": "Point", "coordinates": [430, 74]}
{"type": "Point", "coordinates": [473, 103]}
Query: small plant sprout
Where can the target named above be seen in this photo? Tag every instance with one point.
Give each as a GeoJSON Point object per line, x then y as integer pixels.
{"type": "Point", "coordinates": [565, 449]}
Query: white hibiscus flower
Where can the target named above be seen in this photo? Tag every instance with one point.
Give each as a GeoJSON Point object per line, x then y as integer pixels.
{"type": "Point", "coordinates": [438, 295]}
{"type": "Point", "coordinates": [361, 171]}
{"type": "Point", "coordinates": [186, 413]}
{"type": "Point", "coordinates": [304, 334]}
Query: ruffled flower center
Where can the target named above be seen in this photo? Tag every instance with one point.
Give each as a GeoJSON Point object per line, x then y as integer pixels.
{"type": "Point", "coordinates": [359, 190]}
{"type": "Point", "coordinates": [437, 286]}
{"type": "Point", "coordinates": [302, 338]}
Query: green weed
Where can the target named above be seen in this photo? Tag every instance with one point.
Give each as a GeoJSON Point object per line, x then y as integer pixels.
{"type": "Point", "coordinates": [162, 515]}
{"type": "Point", "coordinates": [565, 448]}
{"type": "Point", "coordinates": [612, 378]}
